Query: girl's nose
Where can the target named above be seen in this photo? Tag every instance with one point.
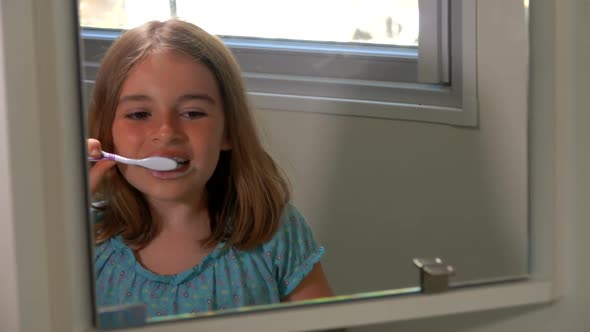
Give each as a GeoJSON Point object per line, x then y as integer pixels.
{"type": "Point", "coordinates": [168, 131]}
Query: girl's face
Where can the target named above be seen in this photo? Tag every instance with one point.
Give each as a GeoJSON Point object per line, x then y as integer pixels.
{"type": "Point", "coordinates": [170, 106]}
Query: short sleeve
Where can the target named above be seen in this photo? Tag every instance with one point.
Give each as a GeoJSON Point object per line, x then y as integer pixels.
{"type": "Point", "coordinates": [293, 251]}
{"type": "Point", "coordinates": [101, 251]}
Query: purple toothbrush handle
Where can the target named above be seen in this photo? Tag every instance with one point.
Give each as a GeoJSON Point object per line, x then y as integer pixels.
{"type": "Point", "coordinates": [105, 156]}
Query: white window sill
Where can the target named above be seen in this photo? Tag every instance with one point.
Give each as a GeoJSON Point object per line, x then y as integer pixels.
{"type": "Point", "coordinates": [367, 108]}
{"type": "Point", "coordinates": [304, 316]}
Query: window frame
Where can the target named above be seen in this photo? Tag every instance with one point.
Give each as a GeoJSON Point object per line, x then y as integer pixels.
{"type": "Point", "coordinates": [353, 80]}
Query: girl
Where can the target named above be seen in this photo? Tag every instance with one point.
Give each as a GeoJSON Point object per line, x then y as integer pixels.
{"type": "Point", "coordinates": [219, 231]}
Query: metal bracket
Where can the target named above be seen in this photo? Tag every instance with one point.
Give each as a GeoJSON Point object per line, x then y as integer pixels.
{"type": "Point", "coordinates": [434, 274]}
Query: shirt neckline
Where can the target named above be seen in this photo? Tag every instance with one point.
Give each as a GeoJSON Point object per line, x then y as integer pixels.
{"type": "Point", "coordinates": [172, 279]}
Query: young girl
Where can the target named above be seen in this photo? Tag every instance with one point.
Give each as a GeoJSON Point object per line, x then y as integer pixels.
{"type": "Point", "coordinates": [219, 231]}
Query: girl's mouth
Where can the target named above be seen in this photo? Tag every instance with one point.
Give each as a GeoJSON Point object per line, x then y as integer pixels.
{"type": "Point", "coordinates": [181, 162]}
{"type": "Point", "coordinates": [183, 168]}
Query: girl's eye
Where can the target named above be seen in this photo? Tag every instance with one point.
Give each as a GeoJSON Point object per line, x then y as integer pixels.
{"type": "Point", "coordinates": [193, 114]}
{"type": "Point", "coordinates": [139, 115]}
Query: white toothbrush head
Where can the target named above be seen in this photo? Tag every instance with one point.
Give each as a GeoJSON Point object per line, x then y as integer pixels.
{"type": "Point", "coordinates": [158, 163]}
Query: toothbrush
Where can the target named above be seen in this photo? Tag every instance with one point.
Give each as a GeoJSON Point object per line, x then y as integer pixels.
{"type": "Point", "coordinates": [153, 163]}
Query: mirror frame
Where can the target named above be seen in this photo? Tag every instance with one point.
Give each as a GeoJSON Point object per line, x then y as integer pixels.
{"type": "Point", "coordinates": [42, 180]}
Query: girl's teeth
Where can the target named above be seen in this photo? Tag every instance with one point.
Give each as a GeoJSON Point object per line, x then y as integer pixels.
{"type": "Point", "coordinates": [180, 161]}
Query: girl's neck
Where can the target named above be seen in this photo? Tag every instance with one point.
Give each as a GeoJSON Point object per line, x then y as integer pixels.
{"type": "Point", "coordinates": [178, 245]}
{"type": "Point", "coordinates": [175, 216]}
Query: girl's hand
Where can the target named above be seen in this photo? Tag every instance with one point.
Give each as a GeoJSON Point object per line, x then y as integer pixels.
{"type": "Point", "coordinates": [99, 169]}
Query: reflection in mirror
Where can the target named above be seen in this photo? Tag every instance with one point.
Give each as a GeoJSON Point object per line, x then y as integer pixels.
{"type": "Point", "coordinates": [215, 232]}
{"type": "Point", "coordinates": [360, 197]}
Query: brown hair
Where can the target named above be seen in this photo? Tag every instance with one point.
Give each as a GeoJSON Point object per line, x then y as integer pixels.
{"type": "Point", "coordinates": [247, 191]}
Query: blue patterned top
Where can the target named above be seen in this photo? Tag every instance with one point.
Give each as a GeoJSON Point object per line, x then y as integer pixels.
{"type": "Point", "coordinates": [226, 278]}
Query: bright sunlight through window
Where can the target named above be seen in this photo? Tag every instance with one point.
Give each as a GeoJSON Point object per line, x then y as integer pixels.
{"type": "Point", "coordinates": [386, 22]}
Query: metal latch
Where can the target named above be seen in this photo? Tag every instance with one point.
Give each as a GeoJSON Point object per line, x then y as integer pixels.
{"type": "Point", "coordinates": [434, 274]}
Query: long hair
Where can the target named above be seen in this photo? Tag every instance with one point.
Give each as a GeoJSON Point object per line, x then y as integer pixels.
{"type": "Point", "coordinates": [247, 191]}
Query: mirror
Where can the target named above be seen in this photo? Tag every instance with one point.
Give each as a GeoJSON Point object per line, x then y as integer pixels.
{"type": "Point", "coordinates": [376, 192]}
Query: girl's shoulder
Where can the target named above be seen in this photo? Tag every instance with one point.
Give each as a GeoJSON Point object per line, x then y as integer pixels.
{"type": "Point", "coordinates": [293, 229]}
{"type": "Point", "coordinates": [293, 250]}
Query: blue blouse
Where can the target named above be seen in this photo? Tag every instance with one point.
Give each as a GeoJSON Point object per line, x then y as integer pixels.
{"type": "Point", "coordinates": [226, 278]}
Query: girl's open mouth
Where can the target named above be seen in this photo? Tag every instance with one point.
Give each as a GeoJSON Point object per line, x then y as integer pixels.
{"type": "Point", "coordinates": [184, 166]}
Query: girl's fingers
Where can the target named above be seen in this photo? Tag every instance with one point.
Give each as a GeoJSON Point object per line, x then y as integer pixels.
{"type": "Point", "coordinates": [94, 148]}
{"type": "Point", "coordinates": [100, 168]}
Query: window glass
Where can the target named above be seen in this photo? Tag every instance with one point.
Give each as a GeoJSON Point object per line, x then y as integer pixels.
{"type": "Point", "coordinates": [385, 22]}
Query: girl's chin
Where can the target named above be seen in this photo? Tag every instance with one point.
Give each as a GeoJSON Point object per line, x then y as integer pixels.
{"type": "Point", "coordinates": [179, 185]}
{"type": "Point", "coordinates": [167, 195]}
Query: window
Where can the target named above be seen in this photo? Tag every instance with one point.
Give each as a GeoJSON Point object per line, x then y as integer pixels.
{"type": "Point", "coordinates": [399, 59]}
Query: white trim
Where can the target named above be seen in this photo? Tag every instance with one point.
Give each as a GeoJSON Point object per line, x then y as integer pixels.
{"type": "Point", "coordinates": [470, 99]}
{"type": "Point", "coordinates": [9, 304]}
{"type": "Point", "coordinates": [22, 155]}
{"type": "Point", "coordinates": [357, 313]}
{"type": "Point", "coordinates": [445, 39]}
{"type": "Point", "coordinates": [433, 45]}
{"type": "Point", "coordinates": [565, 146]}
{"type": "Point", "coordinates": [47, 167]}
{"type": "Point", "coordinates": [361, 108]}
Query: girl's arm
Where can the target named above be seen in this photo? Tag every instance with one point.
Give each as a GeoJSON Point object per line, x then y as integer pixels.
{"type": "Point", "coordinates": [313, 286]}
